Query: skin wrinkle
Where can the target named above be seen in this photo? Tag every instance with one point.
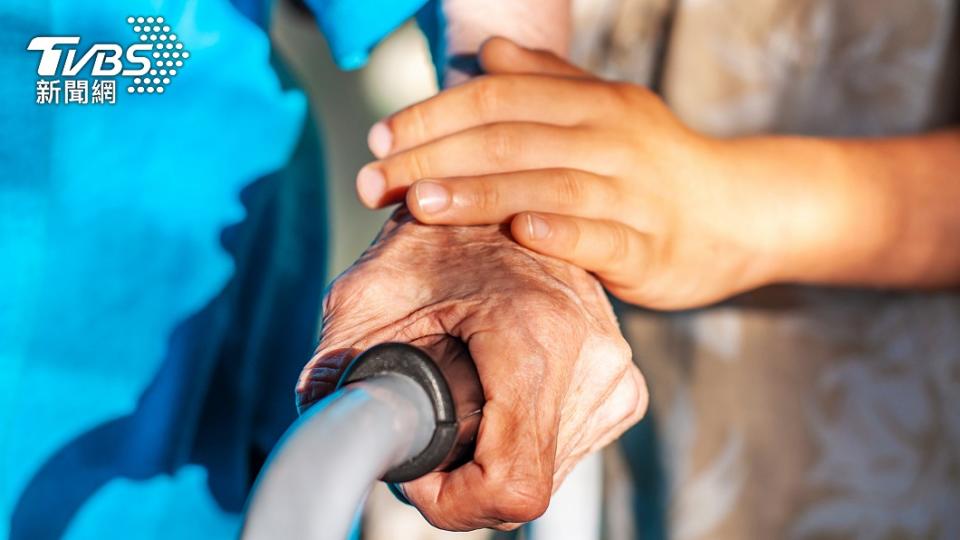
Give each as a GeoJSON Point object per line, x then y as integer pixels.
{"type": "Point", "coordinates": [607, 393]}
{"type": "Point", "coordinates": [543, 268]}
{"type": "Point", "coordinates": [604, 396]}
{"type": "Point", "coordinates": [542, 335]}
{"type": "Point", "coordinates": [541, 265]}
{"type": "Point", "coordinates": [560, 312]}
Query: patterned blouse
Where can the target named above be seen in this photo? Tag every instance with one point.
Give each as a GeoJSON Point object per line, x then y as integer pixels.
{"type": "Point", "coordinates": [792, 412]}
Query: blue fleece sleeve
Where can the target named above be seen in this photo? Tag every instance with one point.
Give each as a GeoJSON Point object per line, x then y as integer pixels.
{"type": "Point", "coordinates": [354, 27]}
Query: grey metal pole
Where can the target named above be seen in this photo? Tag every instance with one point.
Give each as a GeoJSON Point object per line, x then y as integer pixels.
{"type": "Point", "coordinates": [397, 415]}
{"type": "Point", "coordinates": [317, 479]}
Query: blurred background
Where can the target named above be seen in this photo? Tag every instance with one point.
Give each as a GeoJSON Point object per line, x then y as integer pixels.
{"type": "Point", "coordinates": [790, 409]}
{"type": "Point", "coordinates": [344, 105]}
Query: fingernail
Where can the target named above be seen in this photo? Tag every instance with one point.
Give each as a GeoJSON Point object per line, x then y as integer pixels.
{"type": "Point", "coordinates": [380, 139]}
{"type": "Point", "coordinates": [431, 197]}
{"type": "Point", "coordinates": [370, 185]}
{"type": "Point", "coordinates": [537, 227]}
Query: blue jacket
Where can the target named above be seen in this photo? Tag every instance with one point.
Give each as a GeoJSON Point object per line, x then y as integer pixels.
{"type": "Point", "coordinates": [162, 267]}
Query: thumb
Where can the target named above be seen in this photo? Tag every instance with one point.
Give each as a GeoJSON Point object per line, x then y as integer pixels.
{"type": "Point", "coordinates": [500, 55]}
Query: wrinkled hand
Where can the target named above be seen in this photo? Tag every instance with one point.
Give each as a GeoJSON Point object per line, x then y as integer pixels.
{"type": "Point", "coordinates": [597, 173]}
{"type": "Point", "coordinates": [557, 375]}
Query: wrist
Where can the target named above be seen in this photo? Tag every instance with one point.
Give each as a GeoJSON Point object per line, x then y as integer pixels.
{"type": "Point", "coordinates": [825, 216]}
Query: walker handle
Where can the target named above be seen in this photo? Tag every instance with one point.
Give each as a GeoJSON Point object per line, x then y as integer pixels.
{"type": "Point", "coordinates": [455, 393]}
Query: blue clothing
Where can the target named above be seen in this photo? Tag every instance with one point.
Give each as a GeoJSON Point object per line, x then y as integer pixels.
{"type": "Point", "coordinates": [371, 20]}
{"type": "Point", "coordinates": [162, 270]}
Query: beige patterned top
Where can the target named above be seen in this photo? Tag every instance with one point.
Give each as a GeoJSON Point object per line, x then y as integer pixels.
{"type": "Point", "coordinates": [797, 412]}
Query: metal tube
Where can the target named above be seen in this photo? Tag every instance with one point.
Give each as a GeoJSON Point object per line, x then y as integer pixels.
{"type": "Point", "coordinates": [320, 473]}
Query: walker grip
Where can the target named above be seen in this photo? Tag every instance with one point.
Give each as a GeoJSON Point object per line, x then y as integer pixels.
{"type": "Point", "coordinates": [455, 393]}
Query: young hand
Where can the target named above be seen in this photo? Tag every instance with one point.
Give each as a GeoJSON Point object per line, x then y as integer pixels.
{"type": "Point", "coordinates": [597, 173]}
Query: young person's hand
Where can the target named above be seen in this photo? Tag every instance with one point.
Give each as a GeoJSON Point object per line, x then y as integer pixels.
{"type": "Point", "coordinates": [603, 175]}
{"type": "Point", "coordinates": [600, 174]}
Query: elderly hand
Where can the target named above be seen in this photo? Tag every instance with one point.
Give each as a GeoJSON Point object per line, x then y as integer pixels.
{"type": "Point", "coordinates": [602, 175]}
{"type": "Point", "coordinates": [557, 375]}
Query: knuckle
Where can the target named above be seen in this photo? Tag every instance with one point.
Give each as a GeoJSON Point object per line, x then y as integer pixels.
{"type": "Point", "coordinates": [628, 93]}
{"type": "Point", "coordinates": [495, 48]}
{"type": "Point", "coordinates": [621, 349]}
{"type": "Point", "coordinates": [619, 247]}
{"type": "Point", "coordinates": [414, 122]}
{"type": "Point", "coordinates": [417, 166]}
{"type": "Point", "coordinates": [574, 236]}
{"type": "Point", "coordinates": [501, 143]}
{"type": "Point", "coordinates": [634, 403]}
{"type": "Point", "coordinates": [621, 94]}
{"type": "Point", "coordinates": [569, 189]}
{"type": "Point", "coordinates": [643, 404]}
{"type": "Point", "coordinates": [487, 196]}
{"type": "Point", "coordinates": [522, 500]}
{"type": "Point", "coordinates": [435, 516]}
{"type": "Point", "coordinates": [319, 377]}
{"type": "Point", "coordinates": [487, 95]}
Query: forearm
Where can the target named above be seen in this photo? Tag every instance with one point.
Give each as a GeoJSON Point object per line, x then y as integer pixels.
{"type": "Point", "coordinates": [868, 212]}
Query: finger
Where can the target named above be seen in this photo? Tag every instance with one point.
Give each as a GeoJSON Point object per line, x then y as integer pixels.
{"type": "Point", "coordinates": [510, 479]}
{"type": "Point", "coordinates": [490, 149]}
{"type": "Point", "coordinates": [612, 250]}
{"type": "Point", "coordinates": [485, 100]}
{"type": "Point", "coordinates": [484, 492]}
{"type": "Point", "coordinates": [496, 198]}
{"type": "Point", "coordinates": [500, 55]}
{"type": "Point", "coordinates": [320, 376]}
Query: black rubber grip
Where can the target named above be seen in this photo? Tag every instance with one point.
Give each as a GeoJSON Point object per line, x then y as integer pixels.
{"type": "Point", "coordinates": [403, 359]}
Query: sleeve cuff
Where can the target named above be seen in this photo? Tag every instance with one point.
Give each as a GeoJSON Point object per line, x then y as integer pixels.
{"type": "Point", "coordinates": [354, 27]}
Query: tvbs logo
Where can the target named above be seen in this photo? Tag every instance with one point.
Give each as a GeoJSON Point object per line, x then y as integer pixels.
{"type": "Point", "coordinates": [149, 65]}
{"type": "Point", "coordinates": [108, 58]}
